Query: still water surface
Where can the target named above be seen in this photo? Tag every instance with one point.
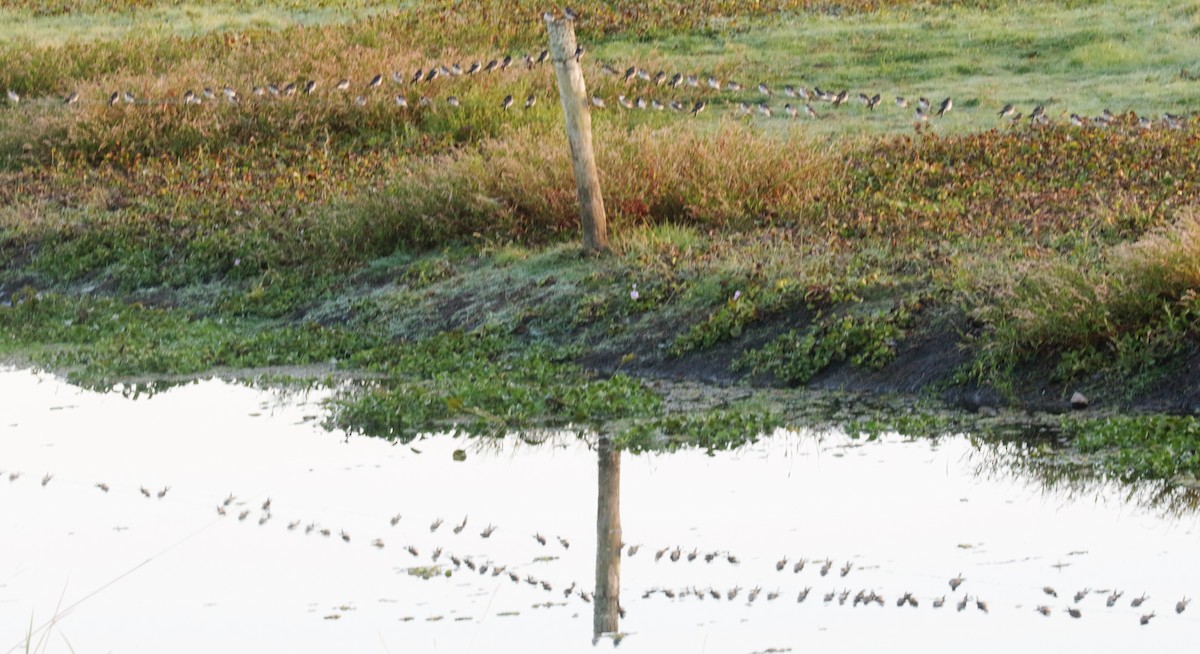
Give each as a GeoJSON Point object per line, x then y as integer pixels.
{"type": "Point", "coordinates": [127, 573]}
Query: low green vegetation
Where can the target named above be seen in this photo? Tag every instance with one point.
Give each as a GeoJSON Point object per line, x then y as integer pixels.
{"type": "Point", "coordinates": [426, 250]}
{"type": "Point", "coordinates": [1141, 447]}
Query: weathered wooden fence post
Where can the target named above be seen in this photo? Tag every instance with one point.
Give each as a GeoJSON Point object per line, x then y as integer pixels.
{"type": "Point", "coordinates": [608, 540]}
{"type": "Point", "coordinates": [575, 105]}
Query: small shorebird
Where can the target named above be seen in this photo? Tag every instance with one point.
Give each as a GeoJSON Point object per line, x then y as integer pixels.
{"type": "Point", "coordinates": [957, 581]}
{"type": "Point", "coordinates": [163, 493]}
{"type": "Point", "coordinates": [378, 543]}
{"type": "Point", "coordinates": [803, 594]}
{"type": "Point", "coordinates": [939, 602]}
{"type": "Point", "coordinates": [293, 524]}
{"type": "Point", "coordinates": [1049, 591]}
{"type": "Point", "coordinates": [102, 486]}
{"type": "Point", "coordinates": [633, 549]}
{"type": "Point", "coordinates": [799, 565]}
{"type": "Point", "coordinates": [962, 603]}
{"type": "Point", "coordinates": [487, 532]}
{"type": "Point", "coordinates": [243, 515]}
{"type": "Point", "coordinates": [1044, 610]}
{"type": "Point", "coordinates": [564, 542]}
{"type": "Point", "coordinates": [71, 98]}
{"type": "Point", "coordinates": [714, 84]}
{"type": "Point", "coordinates": [846, 568]}
{"type": "Point", "coordinates": [530, 101]}
{"type": "Point", "coordinates": [540, 539]}
{"type": "Point", "coordinates": [1007, 111]}
{"type": "Point", "coordinates": [266, 506]}
{"type": "Point", "coordinates": [342, 85]}
{"type": "Point", "coordinates": [597, 102]}
{"type": "Point", "coordinates": [1075, 613]}
{"type": "Point", "coordinates": [825, 567]}
{"type": "Point", "coordinates": [401, 101]}
{"type": "Point", "coordinates": [344, 535]}
{"type": "Point", "coordinates": [310, 86]}
{"type": "Point", "coordinates": [114, 99]}
{"type": "Point", "coordinates": [506, 103]}
{"type": "Point", "coordinates": [1145, 619]}
{"type": "Point", "coordinates": [1112, 599]}
{"type": "Point", "coordinates": [570, 14]}
{"type": "Point", "coordinates": [145, 491]}
{"type": "Point", "coordinates": [434, 525]}
{"type": "Point", "coordinates": [12, 96]}
{"type": "Point", "coordinates": [764, 89]}
{"type": "Point", "coordinates": [1082, 594]}
{"type": "Point", "coordinates": [395, 520]}
{"type": "Point", "coordinates": [901, 102]}
{"type": "Point", "coordinates": [780, 564]}
{"type": "Point", "coordinates": [46, 479]}
{"type": "Point", "coordinates": [1137, 601]}
{"type": "Point", "coordinates": [945, 107]}
{"type": "Point", "coordinates": [462, 525]}
{"type": "Point", "coordinates": [1181, 605]}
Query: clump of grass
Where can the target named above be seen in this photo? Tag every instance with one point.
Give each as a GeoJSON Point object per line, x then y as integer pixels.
{"type": "Point", "coordinates": [1126, 312]}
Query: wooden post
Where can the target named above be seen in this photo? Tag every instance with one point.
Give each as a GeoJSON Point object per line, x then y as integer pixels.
{"type": "Point", "coordinates": [608, 540]}
{"type": "Point", "coordinates": [576, 109]}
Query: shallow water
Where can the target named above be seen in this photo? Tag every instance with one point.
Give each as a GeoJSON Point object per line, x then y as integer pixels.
{"type": "Point", "coordinates": [126, 573]}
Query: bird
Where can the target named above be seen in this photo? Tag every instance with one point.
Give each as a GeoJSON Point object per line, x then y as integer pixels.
{"type": "Point", "coordinates": [1181, 605]}
{"type": "Point", "coordinates": [189, 97]}
{"type": "Point", "coordinates": [114, 99]}
{"type": "Point", "coordinates": [809, 111]}
{"type": "Point", "coordinates": [1008, 110]}
{"type": "Point", "coordinates": [825, 567]}
{"type": "Point", "coordinates": [530, 101]}
{"type": "Point", "coordinates": [660, 77]}
{"type": "Point", "coordinates": [1074, 612]}
{"type": "Point", "coordinates": [633, 549]}
{"type": "Point", "coordinates": [397, 77]}
{"type": "Point", "coordinates": [873, 101]}
{"type": "Point", "coordinates": [733, 86]}
{"type": "Point", "coordinates": [46, 479]}
{"type": "Point", "coordinates": [507, 102]}
{"type": "Point", "coordinates": [401, 101]}
{"type": "Point", "coordinates": [220, 510]}
{"type": "Point", "coordinates": [344, 535]}
{"type": "Point", "coordinates": [243, 515]}
{"type": "Point", "coordinates": [579, 50]}
{"type": "Point", "coordinates": [475, 67]}
{"type": "Point", "coordinates": [945, 107]}
{"type": "Point", "coordinates": [692, 555]}
{"type": "Point", "coordinates": [564, 542]}
{"type": "Point", "coordinates": [921, 115]}
{"type": "Point", "coordinates": [542, 56]}
{"type": "Point", "coordinates": [71, 98]}
{"type": "Point", "coordinates": [487, 532]}
{"type": "Point", "coordinates": [230, 95]}
{"type": "Point", "coordinates": [939, 602]}
{"type": "Point", "coordinates": [803, 594]}
{"type": "Point", "coordinates": [753, 593]}
{"type": "Point", "coordinates": [828, 597]}
{"type": "Point", "coordinates": [733, 560]}
{"type": "Point", "coordinates": [957, 581]}
{"type": "Point", "coordinates": [12, 96]}
{"type": "Point", "coordinates": [462, 525]}
{"type": "Point", "coordinates": [1112, 599]}
{"type": "Point", "coordinates": [841, 97]}
{"type": "Point", "coordinates": [570, 14]}
{"type": "Point", "coordinates": [1037, 114]}
{"type": "Point", "coordinates": [378, 543]}
{"type": "Point", "coordinates": [923, 103]}
{"type": "Point", "coordinates": [102, 486]}
{"type": "Point", "coordinates": [1082, 594]}
{"type": "Point", "coordinates": [395, 520]}
{"type": "Point", "coordinates": [229, 500]}
{"type": "Point", "coordinates": [375, 81]}
{"type": "Point", "coordinates": [799, 565]}
{"type": "Point", "coordinates": [163, 493]}
{"type": "Point", "coordinates": [764, 109]}
{"type": "Point", "coordinates": [540, 539]}
{"type": "Point", "coordinates": [1145, 619]}
{"type": "Point", "coordinates": [714, 84]}
{"type": "Point", "coordinates": [293, 524]}
{"type": "Point", "coordinates": [1044, 610]}
{"type": "Point", "coordinates": [675, 554]}
{"type": "Point", "coordinates": [733, 592]}
{"type": "Point", "coordinates": [597, 102]}
{"type": "Point", "coordinates": [901, 102]}
{"type": "Point", "coordinates": [780, 564]}
{"type": "Point", "coordinates": [1137, 601]}
{"type": "Point", "coordinates": [13, 476]}
{"type": "Point", "coordinates": [434, 525]}
{"type": "Point", "coordinates": [1049, 591]}
{"type": "Point", "coordinates": [266, 506]}
{"type": "Point", "coordinates": [846, 568]}
{"type": "Point", "coordinates": [127, 97]}
{"type": "Point", "coordinates": [676, 80]}
{"type": "Point", "coordinates": [657, 105]}
{"type": "Point", "coordinates": [144, 491]}
{"type": "Point", "coordinates": [263, 520]}
{"type": "Point", "coordinates": [308, 529]}
{"type": "Point", "coordinates": [436, 553]}
{"type": "Point", "coordinates": [1076, 120]}
{"type": "Point", "coordinates": [962, 604]}
{"type": "Point", "coordinates": [640, 102]}
{"type": "Point", "coordinates": [310, 86]}
{"type": "Point", "coordinates": [764, 89]}
{"type": "Point", "coordinates": [981, 605]}
{"type": "Point", "coordinates": [432, 74]}
{"type": "Point", "coordinates": [342, 84]}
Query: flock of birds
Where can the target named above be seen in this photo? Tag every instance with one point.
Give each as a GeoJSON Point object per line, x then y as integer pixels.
{"type": "Point", "coordinates": [421, 88]}
{"type": "Point", "coordinates": [230, 506]}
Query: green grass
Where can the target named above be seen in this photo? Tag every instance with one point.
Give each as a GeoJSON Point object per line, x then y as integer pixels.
{"type": "Point", "coordinates": [294, 231]}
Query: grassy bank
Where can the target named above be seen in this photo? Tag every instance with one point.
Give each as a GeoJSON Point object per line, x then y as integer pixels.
{"type": "Point", "coordinates": [429, 247]}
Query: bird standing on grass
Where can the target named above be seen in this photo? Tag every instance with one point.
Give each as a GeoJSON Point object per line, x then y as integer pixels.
{"type": "Point", "coordinates": [1007, 111]}
{"type": "Point", "coordinates": [698, 107]}
{"type": "Point", "coordinates": [507, 102]}
{"type": "Point", "coordinates": [13, 98]}
{"type": "Point", "coordinates": [530, 101]}
{"type": "Point", "coordinates": [945, 107]}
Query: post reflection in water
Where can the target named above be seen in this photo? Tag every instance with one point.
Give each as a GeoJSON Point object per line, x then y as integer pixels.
{"type": "Point", "coordinates": [608, 542]}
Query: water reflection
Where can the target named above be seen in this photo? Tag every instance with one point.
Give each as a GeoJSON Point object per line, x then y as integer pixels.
{"type": "Point", "coordinates": [906, 514]}
{"type": "Point", "coordinates": [608, 542]}
{"type": "Point", "coordinates": [1050, 465]}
